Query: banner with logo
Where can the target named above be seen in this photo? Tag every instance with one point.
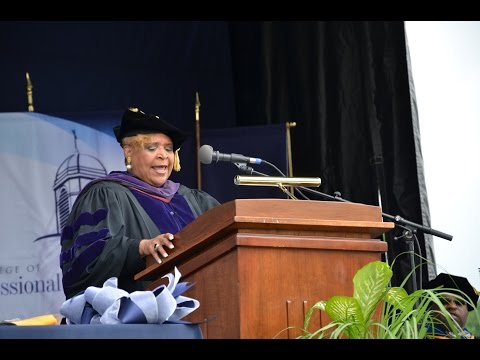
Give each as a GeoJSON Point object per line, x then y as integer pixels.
{"type": "Point", "coordinates": [45, 161]}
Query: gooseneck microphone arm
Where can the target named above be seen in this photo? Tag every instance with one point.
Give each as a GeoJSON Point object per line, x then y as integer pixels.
{"type": "Point", "coordinates": [397, 219]}
{"type": "Point", "coordinates": [409, 227]}
{"type": "Point", "coordinates": [207, 155]}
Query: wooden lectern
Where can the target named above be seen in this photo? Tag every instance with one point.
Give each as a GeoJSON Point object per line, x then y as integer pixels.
{"type": "Point", "coordinates": [259, 264]}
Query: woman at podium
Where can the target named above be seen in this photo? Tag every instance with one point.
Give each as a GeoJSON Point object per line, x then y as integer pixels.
{"type": "Point", "coordinates": [119, 219]}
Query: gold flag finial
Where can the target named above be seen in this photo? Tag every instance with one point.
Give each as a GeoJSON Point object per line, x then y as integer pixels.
{"type": "Point", "coordinates": [197, 107]}
{"type": "Point", "coordinates": [29, 92]}
{"type": "Point", "coordinates": [290, 125]}
{"type": "Point", "coordinates": [197, 139]}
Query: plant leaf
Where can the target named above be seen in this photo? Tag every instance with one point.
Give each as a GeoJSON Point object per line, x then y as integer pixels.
{"type": "Point", "coordinates": [397, 296]}
{"type": "Point", "coordinates": [343, 309]}
{"type": "Point", "coordinates": [318, 306]}
{"type": "Point", "coordinates": [370, 285]}
{"type": "Point", "coordinates": [346, 312]}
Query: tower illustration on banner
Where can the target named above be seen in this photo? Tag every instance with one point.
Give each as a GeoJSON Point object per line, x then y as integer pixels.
{"type": "Point", "coordinates": [72, 175]}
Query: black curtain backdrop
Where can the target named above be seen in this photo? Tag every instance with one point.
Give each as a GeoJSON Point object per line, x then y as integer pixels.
{"type": "Point", "coordinates": [345, 84]}
{"type": "Point", "coordinates": [91, 66]}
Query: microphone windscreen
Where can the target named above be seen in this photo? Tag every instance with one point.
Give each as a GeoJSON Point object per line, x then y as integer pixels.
{"type": "Point", "coordinates": [205, 154]}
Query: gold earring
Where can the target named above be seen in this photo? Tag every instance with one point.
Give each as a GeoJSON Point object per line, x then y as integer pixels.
{"type": "Point", "coordinates": [129, 163]}
{"type": "Point", "coordinates": [176, 161]}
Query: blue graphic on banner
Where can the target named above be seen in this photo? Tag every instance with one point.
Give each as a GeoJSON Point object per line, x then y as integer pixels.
{"type": "Point", "coordinates": [46, 161]}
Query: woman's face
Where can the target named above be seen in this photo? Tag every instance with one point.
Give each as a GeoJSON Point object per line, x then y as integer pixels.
{"type": "Point", "coordinates": [152, 163]}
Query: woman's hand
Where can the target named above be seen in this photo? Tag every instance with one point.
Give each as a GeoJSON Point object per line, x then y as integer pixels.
{"type": "Point", "coordinates": [156, 246]}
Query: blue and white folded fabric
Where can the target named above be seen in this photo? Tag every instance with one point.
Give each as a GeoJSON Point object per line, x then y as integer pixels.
{"type": "Point", "coordinates": [111, 305]}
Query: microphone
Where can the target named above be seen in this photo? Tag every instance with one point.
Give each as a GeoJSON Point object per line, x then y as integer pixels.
{"type": "Point", "coordinates": [206, 155]}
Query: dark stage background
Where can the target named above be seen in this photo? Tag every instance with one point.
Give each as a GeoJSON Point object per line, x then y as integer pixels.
{"type": "Point", "coordinates": [346, 85]}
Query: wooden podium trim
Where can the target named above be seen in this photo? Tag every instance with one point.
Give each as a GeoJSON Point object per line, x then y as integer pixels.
{"type": "Point", "coordinates": [276, 216]}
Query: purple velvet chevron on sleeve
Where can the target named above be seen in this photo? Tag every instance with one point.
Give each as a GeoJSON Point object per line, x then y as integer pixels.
{"type": "Point", "coordinates": [85, 248]}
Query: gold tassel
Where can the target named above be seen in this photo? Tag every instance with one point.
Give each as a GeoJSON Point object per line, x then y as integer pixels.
{"type": "Point", "coordinates": [176, 161]}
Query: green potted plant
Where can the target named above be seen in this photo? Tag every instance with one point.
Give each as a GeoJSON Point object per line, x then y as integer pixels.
{"type": "Point", "coordinates": [376, 310]}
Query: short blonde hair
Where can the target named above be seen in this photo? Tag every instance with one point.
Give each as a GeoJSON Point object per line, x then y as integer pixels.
{"type": "Point", "coordinates": [139, 140]}
{"type": "Point", "coordinates": [136, 141]}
